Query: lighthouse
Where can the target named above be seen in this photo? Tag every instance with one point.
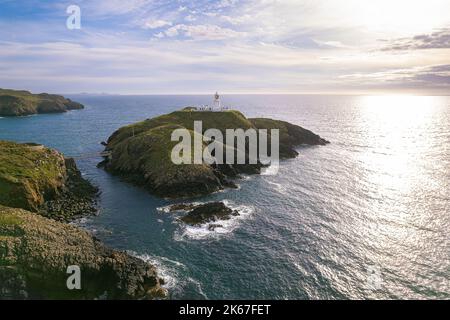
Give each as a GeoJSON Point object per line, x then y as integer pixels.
{"type": "Point", "coordinates": [217, 105]}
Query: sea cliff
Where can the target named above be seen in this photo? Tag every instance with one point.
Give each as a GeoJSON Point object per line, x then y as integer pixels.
{"type": "Point", "coordinates": [23, 103]}
{"type": "Point", "coordinates": [38, 186]}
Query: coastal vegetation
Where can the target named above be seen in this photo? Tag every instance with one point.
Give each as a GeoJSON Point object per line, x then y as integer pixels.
{"type": "Point", "coordinates": [40, 179]}
{"type": "Point", "coordinates": [23, 103]}
{"type": "Point", "coordinates": [141, 152]}
{"type": "Point", "coordinates": [38, 186]}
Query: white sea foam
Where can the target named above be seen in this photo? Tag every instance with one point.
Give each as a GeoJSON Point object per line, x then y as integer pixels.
{"type": "Point", "coordinates": [82, 221]}
{"type": "Point", "coordinates": [166, 209]}
{"type": "Point", "coordinates": [278, 186]}
{"type": "Point", "coordinates": [246, 176]}
{"type": "Point", "coordinates": [86, 223]}
{"type": "Point", "coordinates": [167, 269]}
{"type": "Point", "coordinates": [224, 227]}
{"type": "Point", "coordinates": [172, 272]}
{"type": "Point", "coordinates": [270, 171]}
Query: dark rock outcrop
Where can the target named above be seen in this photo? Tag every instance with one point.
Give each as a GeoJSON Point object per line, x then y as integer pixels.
{"type": "Point", "coordinates": [204, 213]}
{"type": "Point", "coordinates": [35, 253]}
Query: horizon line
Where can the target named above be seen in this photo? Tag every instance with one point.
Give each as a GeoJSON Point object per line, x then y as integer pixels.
{"type": "Point", "coordinates": [260, 93]}
{"type": "Point", "coordinates": [222, 93]}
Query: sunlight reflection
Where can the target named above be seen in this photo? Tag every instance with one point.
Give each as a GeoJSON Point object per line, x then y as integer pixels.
{"type": "Point", "coordinates": [398, 128]}
{"type": "Point", "coordinates": [398, 166]}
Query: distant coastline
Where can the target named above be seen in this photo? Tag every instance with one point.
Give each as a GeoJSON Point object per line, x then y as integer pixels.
{"type": "Point", "coordinates": [15, 103]}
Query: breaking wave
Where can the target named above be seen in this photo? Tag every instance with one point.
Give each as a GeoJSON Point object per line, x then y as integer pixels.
{"type": "Point", "coordinates": [221, 227]}
{"type": "Point", "coordinates": [173, 272]}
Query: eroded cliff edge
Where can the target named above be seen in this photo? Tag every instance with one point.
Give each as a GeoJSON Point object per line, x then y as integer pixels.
{"type": "Point", "coordinates": [37, 187]}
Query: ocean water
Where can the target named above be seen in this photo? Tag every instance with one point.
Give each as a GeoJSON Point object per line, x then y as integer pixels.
{"type": "Point", "coordinates": [367, 216]}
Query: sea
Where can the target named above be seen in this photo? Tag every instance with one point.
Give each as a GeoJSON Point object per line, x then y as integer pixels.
{"type": "Point", "coordinates": [365, 217]}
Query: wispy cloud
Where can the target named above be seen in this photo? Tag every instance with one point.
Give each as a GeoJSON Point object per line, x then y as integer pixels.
{"type": "Point", "coordinates": [437, 77]}
{"type": "Point", "coordinates": [437, 40]}
{"type": "Point", "coordinates": [203, 32]}
{"type": "Point", "coordinates": [155, 24]}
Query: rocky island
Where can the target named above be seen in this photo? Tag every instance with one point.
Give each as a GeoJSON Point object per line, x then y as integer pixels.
{"type": "Point", "coordinates": [141, 152]}
{"type": "Point", "coordinates": [198, 214]}
{"type": "Point", "coordinates": [38, 186]}
{"type": "Point", "coordinates": [23, 103]}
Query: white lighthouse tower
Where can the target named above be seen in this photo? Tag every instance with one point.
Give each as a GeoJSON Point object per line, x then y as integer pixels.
{"type": "Point", "coordinates": [217, 105]}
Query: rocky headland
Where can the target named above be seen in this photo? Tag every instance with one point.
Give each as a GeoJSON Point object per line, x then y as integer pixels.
{"type": "Point", "coordinates": [23, 103]}
{"type": "Point", "coordinates": [39, 179]}
{"type": "Point", "coordinates": [141, 153]}
{"type": "Point", "coordinates": [38, 187]}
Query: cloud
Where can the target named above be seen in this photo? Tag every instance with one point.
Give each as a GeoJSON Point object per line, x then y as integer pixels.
{"type": "Point", "coordinates": [439, 75]}
{"type": "Point", "coordinates": [237, 20]}
{"type": "Point", "coordinates": [172, 32]}
{"type": "Point", "coordinates": [155, 24]}
{"type": "Point", "coordinates": [190, 18]}
{"type": "Point", "coordinates": [203, 32]}
{"type": "Point", "coordinates": [113, 7]}
{"type": "Point", "coordinates": [225, 3]}
{"type": "Point", "coordinates": [437, 40]}
{"type": "Point", "coordinates": [415, 77]}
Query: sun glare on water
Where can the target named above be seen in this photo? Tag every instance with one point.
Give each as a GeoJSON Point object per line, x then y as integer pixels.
{"type": "Point", "coordinates": [399, 163]}
{"type": "Point", "coordinates": [399, 128]}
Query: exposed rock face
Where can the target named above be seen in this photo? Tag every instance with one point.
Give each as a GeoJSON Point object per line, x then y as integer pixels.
{"type": "Point", "coordinates": [208, 212]}
{"type": "Point", "coordinates": [35, 253]}
{"type": "Point", "coordinates": [40, 179]}
{"type": "Point", "coordinates": [22, 103]}
{"type": "Point", "coordinates": [140, 153]}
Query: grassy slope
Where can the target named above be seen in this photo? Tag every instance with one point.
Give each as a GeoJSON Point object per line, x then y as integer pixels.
{"type": "Point", "coordinates": [29, 174]}
{"type": "Point", "coordinates": [290, 135]}
{"type": "Point", "coordinates": [184, 118]}
{"type": "Point", "coordinates": [141, 151]}
{"type": "Point", "coordinates": [21, 102]}
{"type": "Point", "coordinates": [148, 155]}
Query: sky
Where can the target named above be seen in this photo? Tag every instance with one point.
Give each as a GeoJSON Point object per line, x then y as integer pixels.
{"type": "Point", "coordinates": [230, 46]}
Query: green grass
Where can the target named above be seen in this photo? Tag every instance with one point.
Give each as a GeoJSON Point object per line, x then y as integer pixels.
{"type": "Point", "coordinates": [231, 119]}
{"type": "Point", "coordinates": [19, 161]}
{"type": "Point", "coordinates": [25, 172]}
{"type": "Point", "coordinates": [21, 102]}
{"type": "Point", "coordinates": [20, 94]}
{"type": "Point", "coordinates": [9, 220]}
{"type": "Point", "coordinates": [151, 139]}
